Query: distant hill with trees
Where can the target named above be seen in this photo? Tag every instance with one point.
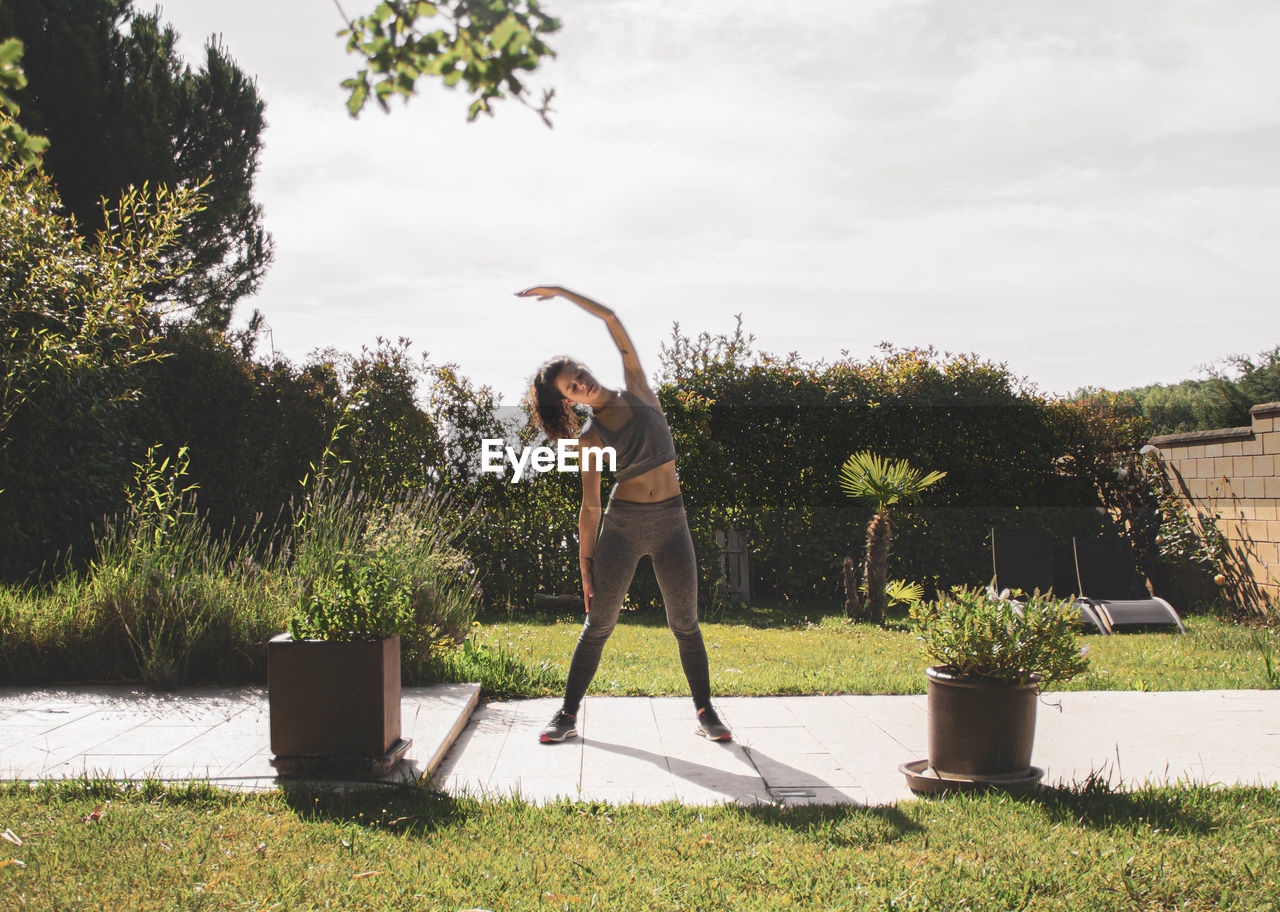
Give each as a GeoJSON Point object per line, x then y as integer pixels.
{"type": "Point", "coordinates": [1219, 400]}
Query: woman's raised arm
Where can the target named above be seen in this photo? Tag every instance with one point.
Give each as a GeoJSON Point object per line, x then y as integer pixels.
{"type": "Point", "coordinates": [636, 382]}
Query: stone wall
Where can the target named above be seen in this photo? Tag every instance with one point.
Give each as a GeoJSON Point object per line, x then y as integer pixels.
{"type": "Point", "coordinates": [1234, 473]}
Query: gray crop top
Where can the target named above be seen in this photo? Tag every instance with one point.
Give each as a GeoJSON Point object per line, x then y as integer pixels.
{"type": "Point", "coordinates": [642, 443]}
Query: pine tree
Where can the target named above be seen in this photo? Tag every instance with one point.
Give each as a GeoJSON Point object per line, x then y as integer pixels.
{"type": "Point", "coordinates": [121, 108]}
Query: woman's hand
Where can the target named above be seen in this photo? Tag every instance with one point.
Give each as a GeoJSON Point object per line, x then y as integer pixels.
{"type": "Point", "coordinates": [588, 587]}
{"type": "Point", "coordinates": [542, 292]}
{"type": "Point", "coordinates": [547, 292]}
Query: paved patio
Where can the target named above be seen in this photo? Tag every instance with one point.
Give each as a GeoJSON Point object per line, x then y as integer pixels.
{"type": "Point", "coordinates": [788, 750]}
{"type": "Point", "coordinates": [216, 733]}
{"type": "Point", "coordinates": [835, 749]}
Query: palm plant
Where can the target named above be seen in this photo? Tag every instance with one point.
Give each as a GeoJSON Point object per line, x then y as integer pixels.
{"type": "Point", "coordinates": [881, 483]}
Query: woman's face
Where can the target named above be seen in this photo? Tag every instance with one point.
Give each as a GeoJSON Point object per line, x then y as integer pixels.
{"type": "Point", "coordinates": [577, 385]}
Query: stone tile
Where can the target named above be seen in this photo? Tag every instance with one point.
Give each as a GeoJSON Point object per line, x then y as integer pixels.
{"type": "Point", "coordinates": [26, 761]}
{"type": "Point", "coordinates": [1077, 773]}
{"type": "Point", "coordinates": [680, 743]}
{"type": "Point", "coordinates": [87, 698]}
{"type": "Point", "coordinates": [39, 719]}
{"type": "Point", "coordinates": [433, 718]}
{"type": "Point", "coordinates": [802, 770]}
{"type": "Point", "coordinates": [740, 712]}
{"type": "Point", "coordinates": [478, 747]}
{"type": "Point", "coordinates": [902, 717]}
{"type": "Point", "coordinates": [17, 735]}
{"type": "Point", "coordinates": [193, 733]}
{"type": "Point", "coordinates": [256, 766]}
{"type": "Point", "coordinates": [885, 787]}
{"type": "Point", "coordinates": [607, 764]}
{"type": "Point", "coordinates": [152, 738]}
{"type": "Point", "coordinates": [870, 751]}
{"type": "Point", "coordinates": [523, 756]}
{"type": "Point", "coordinates": [743, 778]}
{"type": "Point", "coordinates": [219, 752]}
{"type": "Point", "coordinates": [83, 734]}
{"type": "Point", "coordinates": [618, 717]}
{"type": "Point", "coordinates": [742, 794]}
{"type": "Point", "coordinates": [822, 712]}
{"type": "Point", "coordinates": [189, 771]}
{"type": "Point", "coordinates": [681, 708]}
{"type": "Point", "coordinates": [458, 786]}
{"type": "Point", "coordinates": [1261, 774]}
{"type": "Point", "coordinates": [678, 730]}
{"type": "Point", "coordinates": [794, 739]}
{"type": "Point", "coordinates": [911, 735]}
{"type": "Point", "coordinates": [526, 715]}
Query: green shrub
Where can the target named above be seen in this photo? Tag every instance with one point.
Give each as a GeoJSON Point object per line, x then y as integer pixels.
{"type": "Point", "coordinates": [371, 566]}
{"type": "Point", "coordinates": [360, 600]}
{"type": "Point", "coordinates": [972, 633]}
{"type": "Point", "coordinates": [76, 330]}
{"type": "Point", "coordinates": [755, 433]}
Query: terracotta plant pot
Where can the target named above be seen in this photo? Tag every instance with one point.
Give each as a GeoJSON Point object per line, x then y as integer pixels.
{"type": "Point", "coordinates": [979, 728]}
{"type": "Point", "coordinates": [333, 700]}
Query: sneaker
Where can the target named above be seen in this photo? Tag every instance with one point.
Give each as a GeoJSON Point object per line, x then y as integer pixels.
{"type": "Point", "coordinates": [710, 726]}
{"type": "Point", "coordinates": [561, 727]}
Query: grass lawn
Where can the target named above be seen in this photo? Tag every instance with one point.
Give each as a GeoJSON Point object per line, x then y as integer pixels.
{"type": "Point", "coordinates": [755, 653]}
{"type": "Point", "coordinates": [87, 845]}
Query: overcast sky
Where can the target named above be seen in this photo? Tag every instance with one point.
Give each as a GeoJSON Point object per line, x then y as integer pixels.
{"type": "Point", "coordinates": [1087, 191]}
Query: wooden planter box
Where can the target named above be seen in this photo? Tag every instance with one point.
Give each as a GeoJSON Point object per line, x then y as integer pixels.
{"type": "Point", "coordinates": [334, 707]}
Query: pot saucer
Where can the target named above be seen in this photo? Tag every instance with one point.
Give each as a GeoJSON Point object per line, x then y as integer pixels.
{"type": "Point", "coordinates": [925, 780]}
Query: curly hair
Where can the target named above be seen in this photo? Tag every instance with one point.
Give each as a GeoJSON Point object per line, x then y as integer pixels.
{"type": "Point", "coordinates": [551, 412]}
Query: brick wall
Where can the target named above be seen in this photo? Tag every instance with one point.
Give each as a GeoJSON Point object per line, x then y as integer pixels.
{"type": "Point", "coordinates": [1235, 474]}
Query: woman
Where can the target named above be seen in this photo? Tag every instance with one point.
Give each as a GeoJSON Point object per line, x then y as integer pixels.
{"type": "Point", "coordinates": [645, 514]}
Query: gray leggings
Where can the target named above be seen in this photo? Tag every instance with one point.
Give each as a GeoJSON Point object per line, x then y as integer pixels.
{"type": "Point", "coordinates": [629, 530]}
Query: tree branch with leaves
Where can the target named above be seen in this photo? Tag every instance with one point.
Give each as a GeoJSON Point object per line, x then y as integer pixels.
{"type": "Point", "coordinates": [16, 144]}
{"type": "Point", "coordinates": [485, 44]}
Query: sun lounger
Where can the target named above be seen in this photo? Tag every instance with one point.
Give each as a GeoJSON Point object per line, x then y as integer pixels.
{"type": "Point", "coordinates": [1021, 559]}
{"type": "Point", "coordinates": [1109, 583]}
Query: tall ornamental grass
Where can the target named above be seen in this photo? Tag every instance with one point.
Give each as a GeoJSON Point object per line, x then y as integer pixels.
{"type": "Point", "coordinates": [167, 603]}
{"type": "Point", "coordinates": [164, 602]}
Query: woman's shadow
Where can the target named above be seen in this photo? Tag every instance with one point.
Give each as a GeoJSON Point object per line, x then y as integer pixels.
{"type": "Point", "coordinates": [773, 780]}
{"type": "Point", "coordinates": [754, 793]}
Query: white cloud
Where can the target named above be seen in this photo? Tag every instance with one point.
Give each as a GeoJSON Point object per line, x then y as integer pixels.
{"type": "Point", "coordinates": [1084, 190]}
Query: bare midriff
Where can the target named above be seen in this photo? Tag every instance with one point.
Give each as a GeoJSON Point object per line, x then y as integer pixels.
{"type": "Point", "coordinates": [659, 483]}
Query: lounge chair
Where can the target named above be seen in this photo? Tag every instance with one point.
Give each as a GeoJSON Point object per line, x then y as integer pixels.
{"type": "Point", "coordinates": [1021, 560]}
{"type": "Point", "coordinates": [1109, 583]}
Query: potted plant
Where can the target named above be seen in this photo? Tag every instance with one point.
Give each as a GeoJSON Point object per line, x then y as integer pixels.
{"type": "Point", "coordinates": [333, 680]}
{"type": "Point", "coordinates": [993, 657]}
